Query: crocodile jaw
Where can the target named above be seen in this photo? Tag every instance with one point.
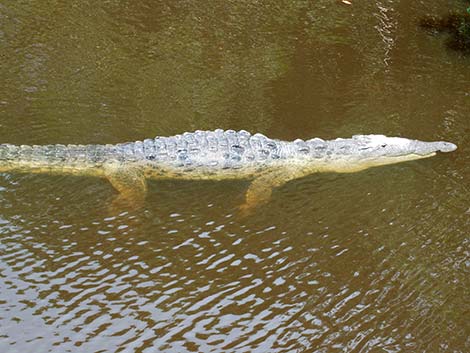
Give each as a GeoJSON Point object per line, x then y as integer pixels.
{"type": "Point", "coordinates": [384, 160]}
{"type": "Point", "coordinates": [366, 151]}
{"type": "Point", "coordinates": [352, 165]}
{"type": "Point", "coordinates": [380, 145]}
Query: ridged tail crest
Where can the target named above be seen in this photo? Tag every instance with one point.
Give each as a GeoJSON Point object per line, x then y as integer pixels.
{"type": "Point", "coordinates": [50, 158]}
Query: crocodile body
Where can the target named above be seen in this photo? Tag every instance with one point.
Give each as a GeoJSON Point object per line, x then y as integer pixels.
{"type": "Point", "coordinates": [216, 155]}
{"type": "Point", "coordinates": [196, 155]}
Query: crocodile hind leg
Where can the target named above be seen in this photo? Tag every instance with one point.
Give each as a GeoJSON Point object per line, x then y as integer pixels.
{"type": "Point", "coordinates": [129, 182]}
{"type": "Point", "coordinates": [260, 190]}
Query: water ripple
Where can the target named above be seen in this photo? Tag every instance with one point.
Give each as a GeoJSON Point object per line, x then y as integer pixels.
{"type": "Point", "coordinates": [364, 262]}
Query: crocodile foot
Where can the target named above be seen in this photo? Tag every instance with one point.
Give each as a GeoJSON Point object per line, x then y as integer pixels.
{"type": "Point", "coordinates": [130, 183]}
{"type": "Point", "coordinates": [260, 190]}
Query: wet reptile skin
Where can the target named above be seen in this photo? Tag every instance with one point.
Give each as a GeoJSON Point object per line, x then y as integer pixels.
{"type": "Point", "coordinates": [214, 152]}
{"type": "Point", "coordinates": [216, 155]}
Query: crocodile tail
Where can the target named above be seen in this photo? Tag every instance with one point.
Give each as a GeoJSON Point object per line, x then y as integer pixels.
{"type": "Point", "coordinates": [8, 152]}
{"type": "Point", "coordinates": [50, 158]}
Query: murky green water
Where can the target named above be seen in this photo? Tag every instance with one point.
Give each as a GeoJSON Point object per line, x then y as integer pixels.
{"type": "Point", "coordinates": [377, 261]}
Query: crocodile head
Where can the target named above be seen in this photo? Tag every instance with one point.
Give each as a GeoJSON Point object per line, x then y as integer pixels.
{"type": "Point", "coordinates": [365, 151]}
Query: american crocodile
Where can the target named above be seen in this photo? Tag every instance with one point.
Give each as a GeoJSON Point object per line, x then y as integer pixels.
{"type": "Point", "coordinates": [216, 155]}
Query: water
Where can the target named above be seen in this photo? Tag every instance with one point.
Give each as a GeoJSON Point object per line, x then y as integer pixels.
{"type": "Point", "coordinates": [377, 261]}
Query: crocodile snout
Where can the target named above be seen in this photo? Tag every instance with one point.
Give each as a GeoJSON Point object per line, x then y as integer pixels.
{"type": "Point", "coordinates": [446, 146]}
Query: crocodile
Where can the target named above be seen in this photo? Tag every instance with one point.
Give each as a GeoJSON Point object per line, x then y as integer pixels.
{"type": "Point", "coordinates": [216, 155]}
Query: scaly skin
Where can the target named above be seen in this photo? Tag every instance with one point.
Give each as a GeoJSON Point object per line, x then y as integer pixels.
{"type": "Point", "coordinates": [216, 155]}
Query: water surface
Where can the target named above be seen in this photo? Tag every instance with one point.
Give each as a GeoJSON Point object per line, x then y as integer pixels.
{"type": "Point", "coordinates": [377, 261]}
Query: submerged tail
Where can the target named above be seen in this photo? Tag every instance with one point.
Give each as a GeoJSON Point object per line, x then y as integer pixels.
{"type": "Point", "coordinates": [51, 158]}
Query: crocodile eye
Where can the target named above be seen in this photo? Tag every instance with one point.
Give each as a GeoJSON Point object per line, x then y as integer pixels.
{"type": "Point", "coordinates": [384, 145]}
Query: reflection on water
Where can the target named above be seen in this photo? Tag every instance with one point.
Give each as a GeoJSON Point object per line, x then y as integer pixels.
{"type": "Point", "coordinates": [368, 262]}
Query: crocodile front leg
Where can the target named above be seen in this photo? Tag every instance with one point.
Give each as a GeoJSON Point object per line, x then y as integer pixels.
{"type": "Point", "coordinates": [129, 181]}
{"type": "Point", "coordinates": [260, 190]}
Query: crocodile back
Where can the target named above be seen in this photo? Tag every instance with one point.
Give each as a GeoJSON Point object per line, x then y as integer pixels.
{"type": "Point", "coordinates": [213, 149]}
